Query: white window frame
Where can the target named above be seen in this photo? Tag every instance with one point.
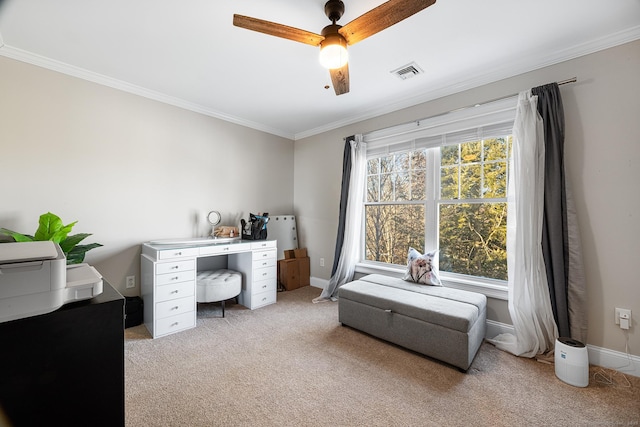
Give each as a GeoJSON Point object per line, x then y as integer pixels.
{"type": "Point", "coordinates": [434, 132]}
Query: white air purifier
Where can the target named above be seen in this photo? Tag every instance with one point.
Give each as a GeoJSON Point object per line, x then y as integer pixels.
{"type": "Point", "coordinates": [572, 362]}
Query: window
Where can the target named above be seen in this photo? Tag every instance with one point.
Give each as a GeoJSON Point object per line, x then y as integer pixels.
{"type": "Point", "coordinates": [441, 186]}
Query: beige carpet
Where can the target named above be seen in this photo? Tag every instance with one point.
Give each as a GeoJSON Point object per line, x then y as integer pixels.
{"type": "Point", "coordinates": [293, 364]}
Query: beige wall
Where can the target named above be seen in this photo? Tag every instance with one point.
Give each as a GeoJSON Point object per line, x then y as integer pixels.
{"type": "Point", "coordinates": [602, 146]}
{"type": "Point", "coordinates": [129, 169]}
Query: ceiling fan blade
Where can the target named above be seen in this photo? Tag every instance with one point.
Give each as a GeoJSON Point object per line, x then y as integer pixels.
{"type": "Point", "coordinates": [277, 30]}
{"type": "Point", "coordinates": [340, 79]}
{"type": "Point", "coordinates": [381, 17]}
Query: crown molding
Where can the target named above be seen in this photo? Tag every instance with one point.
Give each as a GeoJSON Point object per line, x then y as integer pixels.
{"type": "Point", "coordinates": [473, 80]}
{"type": "Point", "coordinates": [470, 81]}
{"type": "Point", "coordinates": [61, 67]}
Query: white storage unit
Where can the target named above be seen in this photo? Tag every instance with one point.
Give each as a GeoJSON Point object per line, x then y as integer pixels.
{"type": "Point", "coordinates": [168, 290]}
{"type": "Point", "coordinates": [169, 274]}
{"type": "Point", "coordinates": [260, 286]}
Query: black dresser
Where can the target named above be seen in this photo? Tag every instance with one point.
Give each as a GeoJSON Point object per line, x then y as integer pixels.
{"type": "Point", "coordinates": [65, 367]}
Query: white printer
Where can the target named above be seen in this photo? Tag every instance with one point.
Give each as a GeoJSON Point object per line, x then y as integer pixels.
{"type": "Point", "coordinates": [35, 279]}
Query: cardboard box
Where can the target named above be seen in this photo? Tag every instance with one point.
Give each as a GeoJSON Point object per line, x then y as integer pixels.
{"type": "Point", "coordinates": [289, 273]}
{"type": "Point", "coordinates": [304, 270]}
{"type": "Point", "coordinates": [300, 253]}
{"type": "Point", "coordinates": [294, 270]}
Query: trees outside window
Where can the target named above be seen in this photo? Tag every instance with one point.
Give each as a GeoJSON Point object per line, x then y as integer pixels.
{"type": "Point", "coordinates": [452, 197]}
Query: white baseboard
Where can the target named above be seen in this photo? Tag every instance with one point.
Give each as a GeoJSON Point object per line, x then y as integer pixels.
{"type": "Point", "coordinates": [319, 283]}
{"type": "Point", "coordinates": [610, 359]}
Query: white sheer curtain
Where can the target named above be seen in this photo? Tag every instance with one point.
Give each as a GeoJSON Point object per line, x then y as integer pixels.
{"type": "Point", "coordinates": [529, 303]}
{"type": "Point", "coordinates": [350, 253]}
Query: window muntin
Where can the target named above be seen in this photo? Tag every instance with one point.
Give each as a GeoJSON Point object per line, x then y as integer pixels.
{"type": "Point", "coordinates": [465, 217]}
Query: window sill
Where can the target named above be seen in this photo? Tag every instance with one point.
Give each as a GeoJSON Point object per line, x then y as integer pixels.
{"type": "Point", "coordinates": [492, 289]}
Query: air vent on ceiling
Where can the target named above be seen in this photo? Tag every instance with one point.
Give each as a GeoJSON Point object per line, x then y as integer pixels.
{"type": "Point", "coordinates": [407, 71]}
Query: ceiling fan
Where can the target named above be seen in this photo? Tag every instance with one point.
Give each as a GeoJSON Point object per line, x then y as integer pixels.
{"type": "Point", "coordinates": [334, 38]}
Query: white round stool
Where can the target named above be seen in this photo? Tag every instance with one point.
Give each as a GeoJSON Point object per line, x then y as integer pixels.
{"type": "Point", "coordinates": [218, 285]}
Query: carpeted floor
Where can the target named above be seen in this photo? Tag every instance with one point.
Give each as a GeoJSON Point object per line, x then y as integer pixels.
{"type": "Point", "coordinates": [293, 364]}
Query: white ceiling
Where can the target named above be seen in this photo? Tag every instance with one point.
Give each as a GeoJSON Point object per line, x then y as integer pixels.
{"type": "Point", "coordinates": [188, 53]}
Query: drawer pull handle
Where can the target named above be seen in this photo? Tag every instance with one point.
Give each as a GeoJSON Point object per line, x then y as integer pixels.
{"type": "Point", "coordinates": [175, 308]}
{"type": "Point", "coordinates": [175, 267]}
{"type": "Point", "coordinates": [178, 253]}
{"type": "Point", "coordinates": [264, 286]}
{"type": "Point", "coordinates": [225, 249]}
{"type": "Point", "coordinates": [264, 299]}
{"type": "Point", "coordinates": [388, 311]}
{"type": "Point", "coordinates": [175, 278]}
{"type": "Point", "coordinates": [174, 324]}
{"type": "Point", "coordinates": [175, 292]}
{"type": "Point", "coordinates": [264, 263]}
{"type": "Point", "coordinates": [264, 274]}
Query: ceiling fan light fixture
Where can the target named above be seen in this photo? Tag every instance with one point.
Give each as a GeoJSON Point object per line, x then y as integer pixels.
{"type": "Point", "coordinates": [333, 51]}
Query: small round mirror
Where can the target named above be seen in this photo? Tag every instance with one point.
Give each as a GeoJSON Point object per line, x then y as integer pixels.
{"type": "Point", "coordinates": [213, 217]}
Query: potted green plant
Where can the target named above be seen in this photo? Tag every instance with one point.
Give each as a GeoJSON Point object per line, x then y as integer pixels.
{"type": "Point", "coordinates": [52, 228]}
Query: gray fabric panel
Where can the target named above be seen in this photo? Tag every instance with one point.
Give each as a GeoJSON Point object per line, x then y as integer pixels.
{"type": "Point", "coordinates": [577, 292]}
{"type": "Point", "coordinates": [479, 300]}
{"type": "Point", "coordinates": [344, 196]}
{"type": "Point", "coordinates": [554, 225]}
{"type": "Point", "coordinates": [444, 312]}
{"type": "Point", "coordinates": [447, 345]}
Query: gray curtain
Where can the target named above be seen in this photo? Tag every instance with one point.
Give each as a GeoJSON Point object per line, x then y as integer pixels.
{"type": "Point", "coordinates": [561, 246]}
{"type": "Point", "coordinates": [344, 197]}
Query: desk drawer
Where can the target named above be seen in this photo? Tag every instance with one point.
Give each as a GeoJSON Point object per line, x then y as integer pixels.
{"type": "Point", "coordinates": [174, 290]}
{"type": "Point", "coordinates": [175, 307]}
{"type": "Point", "coordinates": [224, 249]}
{"type": "Point", "coordinates": [264, 273]}
{"type": "Point", "coordinates": [264, 285]}
{"type": "Point", "coordinates": [270, 254]}
{"type": "Point", "coordinates": [262, 263]}
{"type": "Point", "coordinates": [176, 323]}
{"type": "Point", "coordinates": [177, 253]}
{"type": "Point", "coordinates": [172, 267]}
{"type": "Point", "coordinates": [263, 298]}
{"type": "Point", "coordinates": [263, 244]}
{"type": "Point", "coordinates": [180, 276]}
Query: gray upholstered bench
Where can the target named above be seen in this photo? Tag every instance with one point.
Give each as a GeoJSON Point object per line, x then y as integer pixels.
{"type": "Point", "coordinates": [444, 323]}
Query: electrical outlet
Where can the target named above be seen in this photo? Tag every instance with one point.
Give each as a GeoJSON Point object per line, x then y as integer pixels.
{"type": "Point", "coordinates": [131, 282]}
{"type": "Point", "coordinates": [321, 262]}
{"type": "Point", "coordinates": [623, 318]}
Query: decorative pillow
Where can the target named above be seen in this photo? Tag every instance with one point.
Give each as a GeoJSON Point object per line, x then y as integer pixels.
{"type": "Point", "coordinates": [422, 268]}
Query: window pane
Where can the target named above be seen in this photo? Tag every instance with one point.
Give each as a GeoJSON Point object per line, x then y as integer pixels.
{"type": "Point", "coordinates": [386, 164]}
{"type": "Point", "coordinates": [402, 186]}
{"type": "Point", "coordinates": [402, 162]}
{"type": "Point", "coordinates": [391, 230]}
{"type": "Point", "coordinates": [373, 166]}
{"type": "Point", "coordinates": [495, 180]}
{"type": "Point", "coordinates": [470, 152]}
{"type": "Point", "coordinates": [495, 149]}
{"type": "Point", "coordinates": [471, 182]}
{"type": "Point", "coordinates": [386, 187]}
{"type": "Point", "coordinates": [418, 185]}
{"type": "Point", "coordinates": [373, 190]}
{"type": "Point", "coordinates": [449, 155]}
{"type": "Point", "coordinates": [419, 159]}
{"type": "Point", "coordinates": [473, 239]}
{"type": "Point", "coordinates": [449, 182]}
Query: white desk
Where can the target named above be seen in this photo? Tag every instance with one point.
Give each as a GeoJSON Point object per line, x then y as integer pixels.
{"type": "Point", "coordinates": [169, 270]}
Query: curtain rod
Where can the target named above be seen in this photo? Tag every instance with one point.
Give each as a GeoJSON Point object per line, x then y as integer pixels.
{"type": "Point", "coordinates": [561, 82]}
